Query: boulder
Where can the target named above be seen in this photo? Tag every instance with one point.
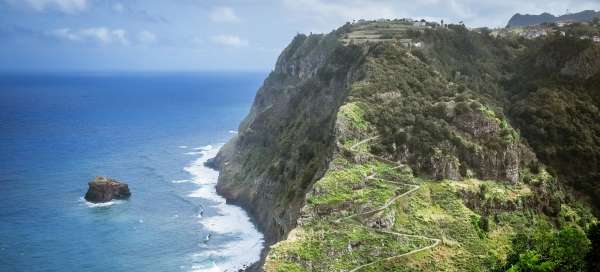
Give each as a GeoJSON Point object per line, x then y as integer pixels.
{"type": "Point", "coordinates": [104, 189]}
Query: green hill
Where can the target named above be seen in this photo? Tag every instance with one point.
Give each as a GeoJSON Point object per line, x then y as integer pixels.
{"type": "Point", "coordinates": [394, 146]}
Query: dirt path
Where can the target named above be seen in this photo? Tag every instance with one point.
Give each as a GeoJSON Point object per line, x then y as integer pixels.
{"type": "Point", "coordinates": [435, 241]}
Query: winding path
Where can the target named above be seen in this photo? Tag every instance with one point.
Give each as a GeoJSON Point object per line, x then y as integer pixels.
{"type": "Point", "coordinates": [414, 188]}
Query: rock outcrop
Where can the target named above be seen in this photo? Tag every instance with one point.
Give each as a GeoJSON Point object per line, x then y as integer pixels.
{"type": "Point", "coordinates": [104, 189]}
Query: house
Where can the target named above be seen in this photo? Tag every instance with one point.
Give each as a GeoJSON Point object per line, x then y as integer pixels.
{"type": "Point", "coordinates": [596, 39]}
{"type": "Point", "coordinates": [563, 23]}
{"type": "Point", "coordinates": [584, 37]}
{"type": "Point", "coordinates": [418, 44]}
{"type": "Point", "coordinates": [419, 24]}
{"type": "Point", "coordinates": [533, 33]}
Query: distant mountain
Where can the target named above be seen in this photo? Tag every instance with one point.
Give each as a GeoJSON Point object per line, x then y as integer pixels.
{"type": "Point", "coordinates": [526, 20]}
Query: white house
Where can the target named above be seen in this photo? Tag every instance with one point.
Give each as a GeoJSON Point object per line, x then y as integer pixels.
{"type": "Point", "coordinates": [531, 34]}
{"type": "Point", "coordinates": [562, 23]}
{"type": "Point", "coordinates": [596, 39]}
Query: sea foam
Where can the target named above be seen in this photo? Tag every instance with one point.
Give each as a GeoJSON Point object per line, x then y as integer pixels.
{"type": "Point", "coordinates": [98, 205]}
{"type": "Point", "coordinates": [245, 241]}
{"type": "Point", "coordinates": [180, 181]}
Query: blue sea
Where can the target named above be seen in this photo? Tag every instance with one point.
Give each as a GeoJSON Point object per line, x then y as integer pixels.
{"type": "Point", "coordinates": [152, 130]}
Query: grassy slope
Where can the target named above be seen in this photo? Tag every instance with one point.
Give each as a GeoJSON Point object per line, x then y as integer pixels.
{"type": "Point", "coordinates": [326, 242]}
{"type": "Point", "coordinates": [475, 219]}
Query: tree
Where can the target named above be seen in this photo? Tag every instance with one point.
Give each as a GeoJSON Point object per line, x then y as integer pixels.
{"type": "Point", "coordinates": [569, 249]}
{"type": "Point", "coordinates": [532, 261]}
{"type": "Point", "coordinates": [548, 250]}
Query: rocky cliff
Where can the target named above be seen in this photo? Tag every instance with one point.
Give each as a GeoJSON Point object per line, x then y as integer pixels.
{"type": "Point", "coordinates": [286, 141]}
{"type": "Point", "coordinates": [367, 152]}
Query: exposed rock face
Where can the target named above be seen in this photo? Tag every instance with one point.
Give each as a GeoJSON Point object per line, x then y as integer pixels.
{"type": "Point", "coordinates": [286, 140]}
{"type": "Point", "coordinates": [104, 189]}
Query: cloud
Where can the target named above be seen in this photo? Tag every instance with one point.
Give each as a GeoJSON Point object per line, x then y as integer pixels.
{"type": "Point", "coordinates": [223, 15]}
{"type": "Point", "coordinates": [229, 40]}
{"type": "Point", "coordinates": [65, 6]}
{"type": "Point", "coordinates": [100, 35]}
{"type": "Point", "coordinates": [147, 37]}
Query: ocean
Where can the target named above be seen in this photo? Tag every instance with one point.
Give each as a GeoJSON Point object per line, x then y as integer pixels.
{"type": "Point", "coordinates": [151, 130]}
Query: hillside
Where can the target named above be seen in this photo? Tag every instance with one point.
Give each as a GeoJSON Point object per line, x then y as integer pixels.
{"type": "Point", "coordinates": [522, 20]}
{"type": "Point", "coordinates": [393, 146]}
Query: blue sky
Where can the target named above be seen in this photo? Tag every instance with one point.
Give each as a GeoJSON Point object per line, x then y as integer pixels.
{"type": "Point", "coordinates": [208, 34]}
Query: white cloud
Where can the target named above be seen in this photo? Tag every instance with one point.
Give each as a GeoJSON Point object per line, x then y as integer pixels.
{"type": "Point", "coordinates": [229, 40]}
{"type": "Point", "coordinates": [223, 15]}
{"type": "Point", "coordinates": [147, 37]}
{"type": "Point", "coordinates": [100, 35]}
{"type": "Point", "coordinates": [65, 34]}
{"type": "Point", "coordinates": [66, 6]}
{"type": "Point", "coordinates": [324, 15]}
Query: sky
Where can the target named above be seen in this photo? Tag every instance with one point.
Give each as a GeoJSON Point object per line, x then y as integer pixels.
{"type": "Point", "coordinates": [190, 35]}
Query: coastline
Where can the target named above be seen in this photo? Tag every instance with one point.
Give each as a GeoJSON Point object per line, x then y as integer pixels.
{"type": "Point", "coordinates": [247, 249]}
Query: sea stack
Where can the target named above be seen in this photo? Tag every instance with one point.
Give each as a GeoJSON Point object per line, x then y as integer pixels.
{"type": "Point", "coordinates": [104, 189]}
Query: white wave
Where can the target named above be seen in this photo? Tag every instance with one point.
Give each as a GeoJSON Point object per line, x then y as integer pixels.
{"type": "Point", "coordinates": [103, 204]}
{"type": "Point", "coordinates": [205, 148]}
{"type": "Point", "coordinates": [233, 131]}
{"type": "Point", "coordinates": [246, 241]}
{"type": "Point", "coordinates": [193, 153]}
{"type": "Point", "coordinates": [207, 192]}
{"type": "Point", "coordinates": [183, 146]}
{"type": "Point", "coordinates": [180, 181]}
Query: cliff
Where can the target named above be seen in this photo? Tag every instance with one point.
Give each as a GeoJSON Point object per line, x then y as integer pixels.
{"type": "Point", "coordinates": [286, 141]}
{"type": "Point", "coordinates": [361, 152]}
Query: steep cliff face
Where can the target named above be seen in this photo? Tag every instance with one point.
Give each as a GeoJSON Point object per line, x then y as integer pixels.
{"type": "Point", "coordinates": [286, 141]}
{"type": "Point", "coordinates": [355, 154]}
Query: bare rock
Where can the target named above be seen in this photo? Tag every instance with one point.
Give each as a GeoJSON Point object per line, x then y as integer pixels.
{"type": "Point", "coordinates": [104, 189]}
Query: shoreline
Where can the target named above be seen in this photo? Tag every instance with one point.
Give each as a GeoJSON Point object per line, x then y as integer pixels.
{"type": "Point", "coordinates": [230, 219]}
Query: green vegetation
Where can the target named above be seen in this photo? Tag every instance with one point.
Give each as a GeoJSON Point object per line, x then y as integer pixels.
{"type": "Point", "coordinates": [355, 115]}
{"type": "Point", "coordinates": [450, 156]}
{"type": "Point", "coordinates": [440, 112]}
{"type": "Point", "coordinates": [548, 250]}
{"type": "Point", "coordinates": [554, 100]}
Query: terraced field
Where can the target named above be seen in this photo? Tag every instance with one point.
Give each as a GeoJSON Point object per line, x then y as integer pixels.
{"type": "Point", "coordinates": [374, 31]}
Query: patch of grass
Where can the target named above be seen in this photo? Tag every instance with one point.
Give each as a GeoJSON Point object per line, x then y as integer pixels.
{"type": "Point", "coordinates": [355, 114]}
{"type": "Point", "coordinates": [354, 188]}
{"type": "Point", "coordinates": [321, 246]}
